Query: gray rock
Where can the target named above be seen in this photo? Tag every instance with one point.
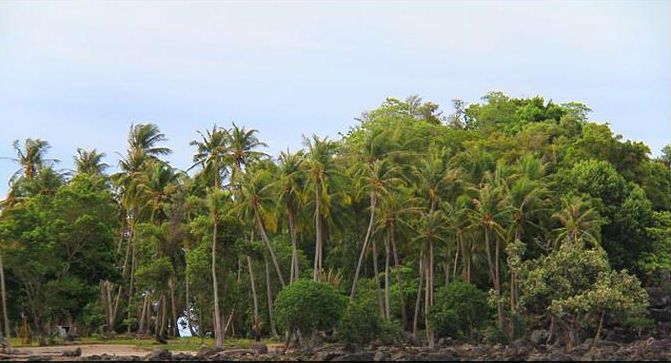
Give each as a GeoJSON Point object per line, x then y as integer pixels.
{"type": "Point", "coordinates": [159, 354]}
{"type": "Point", "coordinates": [73, 353]}
{"type": "Point", "coordinates": [356, 357]}
{"type": "Point", "coordinates": [381, 356]}
{"type": "Point", "coordinates": [260, 348]}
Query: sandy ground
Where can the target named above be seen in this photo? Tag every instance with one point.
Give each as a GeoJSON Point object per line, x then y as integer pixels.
{"type": "Point", "coordinates": [87, 350]}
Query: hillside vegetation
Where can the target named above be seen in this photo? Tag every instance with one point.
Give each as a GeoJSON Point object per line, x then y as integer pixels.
{"type": "Point", "coordinates": [507, 217]}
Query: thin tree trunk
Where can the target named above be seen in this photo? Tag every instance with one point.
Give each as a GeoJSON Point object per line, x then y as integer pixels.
{"type": "Point", "coordinates": [404, 312]}
{"type": "Point", "coordinates": [142, 315]}
{"type": "Point", "coordinates": [387, 291]}
{"type": "Point", "coordinates": [269, 246]}
{"type": "Point", "coordinates": [269, 294]}
{"type": "Point", "coordinates": [294, 249]}
{"type": "Point", "coordinates": [164, 315]}
{"type": "Point", "coordinates": [598, 330]}
{"type": "Point", "coordinates": [365, 244]}
{"type": "Point", "coordinates": [318, 232]}
{"type": "Point", "coordinates": [456, 262]}
{"type": "Point", "coordinates": [217, 323]}
{"type": "Point", "coordinates": [497, 285]}
{"type": "Point", "coordinates": [427, 306]}
{"type": "Point", "coordinates": [377, 280]}
{"type": "Point", "coordinates": [255, 327]}
{"type": "Point", "coordinates": [130, 285]}
{"type": "Point", "coordinates": [173, 305]}
{"type": "Point", "coordinates": [419, 296]}
{"type": "Point", "coordinates": [3, 290]}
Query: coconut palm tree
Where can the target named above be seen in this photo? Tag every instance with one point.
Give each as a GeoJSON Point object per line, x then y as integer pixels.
{"type": "Point", "coordinates": [242, 148]}
{"type": "Point", "coordinates": [322, 169]}
{"type": "Point", "coordinates": [580, 223]}
{"type": "Point", "coordinates": [89, 162]}
{"type": "Point", "coordinates": [291, 182]}
{"type": "Point", "coordinates": [211, 155]}
{"type": "Point", "coordinates": [31, 158]}
{"type": "Point", "coordinates": [490, 210]}
{"type": "Point", "coordinates": [256, 202]}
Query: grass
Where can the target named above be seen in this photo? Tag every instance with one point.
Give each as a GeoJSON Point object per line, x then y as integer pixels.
{"type": "Point", "coordinates": [177, 344]}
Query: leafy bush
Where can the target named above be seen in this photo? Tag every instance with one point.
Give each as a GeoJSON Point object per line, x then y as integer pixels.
{"type": "Point", "coordinates": [307, 306]}
{"type": "Point", "coordinates": [460, 309]}
{"type": "Point", "coordinates": [360, 324]}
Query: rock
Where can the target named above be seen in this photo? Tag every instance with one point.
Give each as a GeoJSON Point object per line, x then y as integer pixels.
{"type": "Point", "coordinates": [557, 356]}
{"type": "Point", "coordinates": [73, 353]}
{"type": "Point", "coordinates": [444, 342]}
{"type": "Point", "coordinates": [539, 336]}
{"type": "Point", "coordinates": [260, 348]}
{"type": "Point", "coordinates": [356, 357]}
{"type": "Point", "coordinates": [381, 356]}
{"type": "Point", "coordinates": [183, 356]}
{"type": "Point", "coordinates": [38, 357]}
{"type": "Point", "coordinates": [204, 351]}
{"type": "Point", "coordinates": [159, 354]}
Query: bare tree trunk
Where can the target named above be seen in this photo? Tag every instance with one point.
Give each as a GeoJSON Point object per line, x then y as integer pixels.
{"type": "Point", "coordinates": [132, 275]}
{"type": "Point", "coordinates": [257, 334]}
{"type": "Point", "coordinates": [377, 280]}
{"type": "Point", "coordinates": [497, 285]}
{"type": "Point", "coordinates": [217, 323]}
{"type": "Point", "coordinates": [3, 290]}
{"type": "Point", "coordinates": [404, 312]}
{"type": "Point", "coordinates": [598, 330]}
{"type": "Point", "coordinates": [269, 294]}
{"type": "Point", "coordinates": [141, 328]}
{"type": "Point", "coordinates": [294, 249]}
{"type": "Point", "coordinates": [164, 315]}
{"type": "Point", "coordinates": [269, 246]}
{"type": "Point", "coordinates": [173, 305]}
{"type": "Point", "coordinates": [387, 291]}
{"type": "Point", "coordinates": [419, 296]}
{"type": "Point", "coordinates": [188, 305]}
{"type": "Point", "coordinates": [365, 244]}
{"type": "Point", "coordinates": [124, 272]}
{"type": "Point", "coordinates": [318, 232]}
{"type": "Point", "coordinates": [427, 306]}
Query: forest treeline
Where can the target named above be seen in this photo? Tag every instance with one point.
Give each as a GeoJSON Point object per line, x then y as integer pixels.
{"type": "Point", "coordinates": [505, 216]}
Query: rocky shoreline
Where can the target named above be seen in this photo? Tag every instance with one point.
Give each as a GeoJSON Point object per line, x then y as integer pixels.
{"type": "Point", "coordinates": [648, 349]}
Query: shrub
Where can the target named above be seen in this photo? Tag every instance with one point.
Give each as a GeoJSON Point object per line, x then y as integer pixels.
{"type": "Point", "coordinates": [307, 306]}
{"type": "Point", "coordinates": [360, 324]}
{"type": "Point", "coordinates": [460, 309]}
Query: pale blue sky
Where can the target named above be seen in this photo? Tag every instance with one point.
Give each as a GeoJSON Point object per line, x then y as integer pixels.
{"type": "Point", "coordinates": [78, 73]}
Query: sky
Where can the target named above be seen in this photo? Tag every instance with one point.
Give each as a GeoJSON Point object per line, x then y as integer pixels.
{"type": "Point", "coordinates": [78, 73]}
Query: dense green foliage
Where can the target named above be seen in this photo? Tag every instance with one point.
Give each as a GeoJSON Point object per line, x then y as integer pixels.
{"type": "Point", "coordinates": [460, 309]}
{"type": "Point", "coordinates": [421, 218]}
{"type": "Point", "coordinates": [307, 306]}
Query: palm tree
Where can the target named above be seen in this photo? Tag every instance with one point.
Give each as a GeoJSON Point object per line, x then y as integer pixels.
{"type": "Point", "coordinates": [31, 158]}
{"type": "Point", "coordinates": [377, 177]}
{"type": "Point", "coordinates": [242, 148]}
{"type": "Point", "coordinates": [490, 210]}
{"type": "Point", "coordinates": [211, 156]}
{"type": "Point", "coordinates": [580, 223]}
{"type": "Point", "coordinates": [89, 162]}
{"type": "Point", "coordinates": [256, 203]}
{"type": "Point", "coordinates": [322, 169]}
{"type": "Point", "coordinates": [394, 209]}
{"type": "Point", "coordinates": [291, 182]}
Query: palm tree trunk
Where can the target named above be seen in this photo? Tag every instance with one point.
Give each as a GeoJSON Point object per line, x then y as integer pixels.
{"type": "Point", "coordinates": [269, 294]}
{"type": "Point", "coordinates": [404, 312]}
{"type": "Point", "coordinates": [141, 329]}
{"type": "Point", "coordinates": [365, 244]}
{"type": "Point", "coordinates": [164, 315]}
{"type": "Point", "coordinates": [497, 285]}
{"type": "Point", "coordinates": [294, 249]}
{"type": "Point", "coordinates": [419, 296]}
{"type": "Point", "coordinates": [318, 232]}
{"type": "Point", "coordinates": [217, 322]}
{"type": "Point", "coordinates": [427, 304]}
{"type": "Point", "coordinates": [387, 291]}
{"type": "Point", "coordinates": [255, 328]}
{"type": "Point", "coordinates": [130, 285]}
{"type": "Point", "coordinates": [377, 280]}
{"type": "Point", "coordinates": [269, 246]}
{"type": "Point", "coordinates": [173, 305]}
{"type": "Point", "coordinates": [187, 306]}
{"type": "Point", "coordinates": [3, 290]}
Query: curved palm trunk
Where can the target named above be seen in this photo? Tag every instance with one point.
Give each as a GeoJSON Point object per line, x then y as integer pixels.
{"type": "Point", "coordinates": [365, 244]}
{"type": "Point", "coordinates": [264, 236]}
{"type": "Point", "coordinates": [494, 275]}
